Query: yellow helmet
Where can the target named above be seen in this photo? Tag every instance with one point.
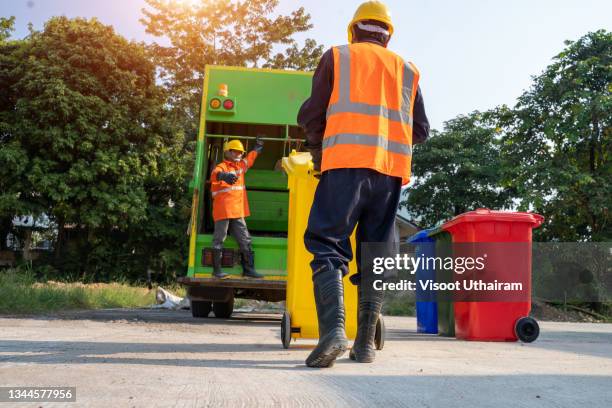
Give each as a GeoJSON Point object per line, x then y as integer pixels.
{"type": "Point", "coordinates": [234, 145]}
{"type": "Point", "coordinates": [371, 10]}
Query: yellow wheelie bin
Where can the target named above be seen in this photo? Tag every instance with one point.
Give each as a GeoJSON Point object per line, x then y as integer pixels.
{"type": "Point", "coordinates": [300, 316]}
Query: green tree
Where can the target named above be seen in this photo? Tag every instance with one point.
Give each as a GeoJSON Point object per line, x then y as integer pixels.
{"type": "Point", "coordinates": [89, 125]}
{"type": "Point", "coordinates": [13, 160]}
{"type": "Point", "coordinates": [300, 59]}
{"type": "Point", "coordinates": [557, 142]}
{"type": "Point", "coordinates": [457, 170]}
{"type": "Point", "coordinates": [7, 26]}
{"type": "Point", "coordinates": [223, 32]}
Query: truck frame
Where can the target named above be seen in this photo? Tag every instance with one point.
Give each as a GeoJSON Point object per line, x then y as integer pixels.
{"type": "Point", "coordinates": [244, 104]}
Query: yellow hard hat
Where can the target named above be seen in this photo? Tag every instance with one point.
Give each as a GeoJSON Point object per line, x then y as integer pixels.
{"type": "Point", "coordinates": [371, 10]}
{"type": "Point", "coordinates": [234, 145]}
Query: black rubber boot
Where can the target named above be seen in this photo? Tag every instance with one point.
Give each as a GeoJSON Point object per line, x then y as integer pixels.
{"type": "Point", "coordinates": [370, 304]}
{"type": "Point", "coordinates": [247, 259]}
{"type": "Point", "coordinates": [217, 272]}
{"type": "Point", "coordinates": [329, 298]}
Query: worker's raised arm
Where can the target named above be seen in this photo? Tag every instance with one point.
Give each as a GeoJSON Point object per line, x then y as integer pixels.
{"type": "Point", "coordinates": [252, 155]}
{"type": "Point", "coordinates": [420, 128]}
{"type": "Point", "coordinates": [249, 160]}
{"type": "Point", "coordinates": [313, 113]}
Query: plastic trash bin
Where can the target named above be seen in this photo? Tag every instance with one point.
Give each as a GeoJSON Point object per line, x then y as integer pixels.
{"type": "Point", "coordinates": [300, 316]}
{"type": "Point", "coordinates": [426, 310]}
{"type": "Point", "coordinates": [446, 311]}
{"type": "Point", "coordinates": [492, 320]}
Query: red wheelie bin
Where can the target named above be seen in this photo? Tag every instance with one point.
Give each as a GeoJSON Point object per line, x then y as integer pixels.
{"type": "Point", "coordinates": [493, 320]}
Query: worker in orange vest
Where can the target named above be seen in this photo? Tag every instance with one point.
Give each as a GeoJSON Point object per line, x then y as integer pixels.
{"type": "Point", "coordinates": [230, 206]}
{"type": "Point", "coordinates": [363, 116]}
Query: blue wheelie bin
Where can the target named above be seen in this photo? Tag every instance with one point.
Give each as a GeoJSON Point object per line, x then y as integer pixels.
{"type": "Point", "coordinates": [426, 306]}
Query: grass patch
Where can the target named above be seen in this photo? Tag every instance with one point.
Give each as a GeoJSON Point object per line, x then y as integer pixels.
{"type": "Point", "coordinates": [398, 306]}
{"type": "Point", "coordinates": [176, 289]}
{"type": "Point", "coordinates": [21, 294]}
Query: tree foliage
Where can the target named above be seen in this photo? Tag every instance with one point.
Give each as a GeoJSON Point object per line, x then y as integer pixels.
{"type": "Point", "coordinates": [7, 26]}
{"type": "Point", "coordinates": [457, 170]}
{"type": "Point", "coordinates": [89, 141]}
{"type": "Point", "coordinates": [557, 142]}
{"type": "Point", "coordinates": [549, 154]}
{"type": "Point", "coordinates": [13, 159]}
{"type": "Point", "coordinates": [223, 32]}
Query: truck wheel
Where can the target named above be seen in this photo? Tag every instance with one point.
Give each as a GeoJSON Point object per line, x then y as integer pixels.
{"type": "Point", "coordinates": [286, 330]}
{"type": "Point", "coordinates": [223, 310]}
{"type": "Point", "coordinates": [200, 308]}
{"type": "Point", "coordinates": [379, 337]}
{"type": "Point", "coordinates": [527, 329]}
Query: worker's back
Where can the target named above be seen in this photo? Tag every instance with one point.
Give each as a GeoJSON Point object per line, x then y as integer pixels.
{"type": "Point", "coordinates": [369, 123]}
{"type": "Point", "coordinates": [375, 73]}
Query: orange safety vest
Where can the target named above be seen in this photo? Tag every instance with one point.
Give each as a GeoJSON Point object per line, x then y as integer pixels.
{"type": "Point", "coordinates": [230, 200]}
{"type": "Point", "coordinates": [369, 116]}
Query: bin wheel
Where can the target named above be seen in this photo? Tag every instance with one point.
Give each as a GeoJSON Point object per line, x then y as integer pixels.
{"type": "Point", "coordinates": [200, 308]}
{"type": "Point", "coordinates": [527, 329]}
{"type": "Point", "coordinates": [286, 330]}
{"type": "Point", "coordinates": [379, 337]}
{"type": "Point", "coordinates": [223, 310]}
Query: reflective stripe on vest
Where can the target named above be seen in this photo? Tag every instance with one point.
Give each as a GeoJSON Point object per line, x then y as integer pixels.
{"type": "Point", "coordinates": [237, 172]}
{"type": "Point", "coordinates": [368, 140]}
{"type": "Point", "coordinates": [344, 104]}
{"type": "Point", "coordinates": [225, 190]}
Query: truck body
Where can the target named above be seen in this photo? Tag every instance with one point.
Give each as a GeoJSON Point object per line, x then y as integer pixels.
{"type": "Point", "coordinates": [243, 104]}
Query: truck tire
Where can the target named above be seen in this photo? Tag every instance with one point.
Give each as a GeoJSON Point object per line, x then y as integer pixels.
{"type": "Point", "coordinates": [223, 310]}
{"type": "Point", "coordinates": [200, 308]}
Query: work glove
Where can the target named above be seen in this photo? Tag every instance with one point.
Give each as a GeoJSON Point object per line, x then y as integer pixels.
{"type": "Point", "coordinates": [229, 178]}
{"type": "Point", "coordinates": [259, 144]}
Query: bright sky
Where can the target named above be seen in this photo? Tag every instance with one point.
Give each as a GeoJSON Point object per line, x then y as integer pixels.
{"type": "Point", "coordinates": [472, 54]}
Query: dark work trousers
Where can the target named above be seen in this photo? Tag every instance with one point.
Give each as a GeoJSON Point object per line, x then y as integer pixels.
{"type": "Point", "coordinates": [345, 198]}
{"type": "Point", "coordinates": [237, 228]}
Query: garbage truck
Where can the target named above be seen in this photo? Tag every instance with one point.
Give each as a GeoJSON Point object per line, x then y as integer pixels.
{"type": "Point", "coordinates": [244, 104]}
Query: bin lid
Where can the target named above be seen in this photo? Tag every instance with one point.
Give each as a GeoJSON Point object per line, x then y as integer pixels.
{"type": "Point", "coordinates": [421, 236]}
{"type": "Point", "coordinates": [484, 214]}
{"type": "Point", "coordinates": [437, 233]}
{"type": "Point", "coordinates": [297, 163]}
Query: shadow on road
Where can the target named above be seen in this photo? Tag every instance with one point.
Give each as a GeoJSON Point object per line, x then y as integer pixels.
{"type": "Point", "coordinates": [159, 316]}
{"type": "Point", "coordinates": [588, 343]}
{"type": "Point", "coordinates": [85, 352]}
{"type": "Point", "coordinates": [412, 335]}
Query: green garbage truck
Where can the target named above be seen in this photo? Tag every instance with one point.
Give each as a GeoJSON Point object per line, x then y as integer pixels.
{"type": "Point", "coordinates": [244, 104]}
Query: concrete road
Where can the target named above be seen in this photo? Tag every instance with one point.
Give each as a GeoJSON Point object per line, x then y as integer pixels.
{"type": "Point", "coordinates": [152, 358]}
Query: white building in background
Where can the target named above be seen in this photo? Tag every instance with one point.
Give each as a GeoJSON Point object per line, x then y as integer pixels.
{"type": "Point", "coordinates": [32, 224]}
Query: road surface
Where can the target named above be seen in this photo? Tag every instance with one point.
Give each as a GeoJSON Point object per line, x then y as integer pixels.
{"type": "Point", "coordinates": [147, 358]}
